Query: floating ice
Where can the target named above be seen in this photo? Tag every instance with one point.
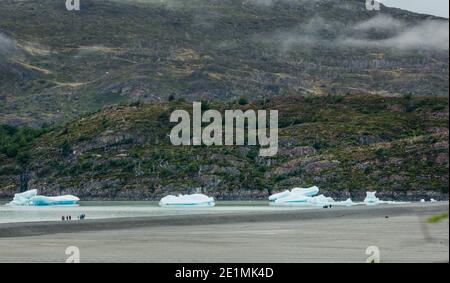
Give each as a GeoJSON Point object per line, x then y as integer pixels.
{"type": "Point", "coordinates": [348, 202]}
{"type": "Point", "coordinates": [187, 200]}
{"type": "Point", "coordinates": [60, 200]}
{"type": "Point", "coordinates": [371, 198]}
{"type": "Point", "coordinates": [31, 198]}
{"type": "Point", "coordinates": [296, 196]}
{"type": "Point", "coordinates": [284, 194]}
{"type": "Point", "coordinates": [306, 197]}
{"type": "Point", "coordinates": [296, 193]}
{"type": "Point", "coordinates": [433, 200]}
{"type": "Point", "coordinates": [320, 200]}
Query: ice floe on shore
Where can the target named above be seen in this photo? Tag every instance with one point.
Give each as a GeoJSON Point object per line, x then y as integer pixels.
{"type": "Point", "coordinates": [195, 200]}
{"type": "Point", "coordinates": [305, 196]}
{"type": "Point", "coordinates": [371, 199]}
{"type": "Point", "coordinates": [295, 195]}
{"type": "Point", "coordinates": [309, 197]}
{"type": "Point", "coordinates": [31, 198]}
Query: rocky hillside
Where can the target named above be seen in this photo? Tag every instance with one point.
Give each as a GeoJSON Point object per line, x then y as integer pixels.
{"type": "Point", "coordinates": [56, 64]}
{"type": "Point", "coordinates": [344, 144]}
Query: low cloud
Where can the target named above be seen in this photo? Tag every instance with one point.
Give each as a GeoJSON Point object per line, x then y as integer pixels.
{"type": "Point", "coordinates": [170, 4]}
{"type": "Point", "coordinates": [183, 4]}
{"type": "Point", "coordinates": [7, 48]}
{"type": "Point", "coordinates": [381, 23]}
{"type": "Point", "coordinates": [430, 35]}
{"type": "Point", "coordinates": [378, 32]}
{"type": "Point", "coordinates": [317, 31]}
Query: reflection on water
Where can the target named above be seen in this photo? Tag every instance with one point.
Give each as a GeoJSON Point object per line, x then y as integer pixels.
{"type": "Point", "coordinates": [120, 209]}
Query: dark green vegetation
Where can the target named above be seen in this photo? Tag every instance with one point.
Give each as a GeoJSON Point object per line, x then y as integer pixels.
{"type": "Point", "coordinates": [56, 64]}
{"type": "Point", "coordinates": [13, 139]}
{"type": "Point", "coordinates": [344, 144]}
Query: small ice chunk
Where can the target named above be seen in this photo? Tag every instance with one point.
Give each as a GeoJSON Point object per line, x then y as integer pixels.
{"type": "Point", "coordinates": [348, 202]}
{"type": "Point", "coordinates": [331, 200]}
{"type": "Point", "coordinates": [320, 200]}
{"type": "Point", "coordinates": [187, 200]}
{"type": "Point", "coordinates": [371, 198]}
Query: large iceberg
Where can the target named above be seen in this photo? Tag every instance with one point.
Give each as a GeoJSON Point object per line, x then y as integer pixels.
{"type": "Point", "coordinates": [302, 196]}
{"type": "Point", "coordinates": [197, 200]}
{"type": "Point", "coordinates": [299, 193]}
{"type": "Point", "coordinates": [31, 198]}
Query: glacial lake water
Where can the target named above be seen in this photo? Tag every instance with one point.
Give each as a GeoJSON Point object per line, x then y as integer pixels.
{"type": "Point", "coordinates": [121, 209]}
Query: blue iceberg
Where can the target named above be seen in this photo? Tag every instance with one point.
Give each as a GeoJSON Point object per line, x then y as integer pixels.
{"type": "Point", "coordinates": [295, 195]}
{"type": "Point", "coordinates": [195, 200]}
{"type": "Point", "coordinates": [347, 202]}
{"type": "Point", "coordinates": [31, 198]}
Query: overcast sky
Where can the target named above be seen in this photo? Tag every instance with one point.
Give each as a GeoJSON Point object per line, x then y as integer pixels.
{"type": "Point", "coordinates": [432, 7]}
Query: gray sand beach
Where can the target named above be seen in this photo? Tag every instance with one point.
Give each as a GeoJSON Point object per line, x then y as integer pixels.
{"type": "Point", "coordinates": [324, 235]}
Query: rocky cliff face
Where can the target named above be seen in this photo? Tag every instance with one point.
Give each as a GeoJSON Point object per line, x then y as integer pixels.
{"type": "Point", "coordinates": [346, 145]}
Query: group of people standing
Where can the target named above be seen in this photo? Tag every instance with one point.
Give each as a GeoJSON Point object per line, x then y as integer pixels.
{"type": "Point", "coordinates": [69, 217]}
{"type": "Point", "coordinates": [66, 218]}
